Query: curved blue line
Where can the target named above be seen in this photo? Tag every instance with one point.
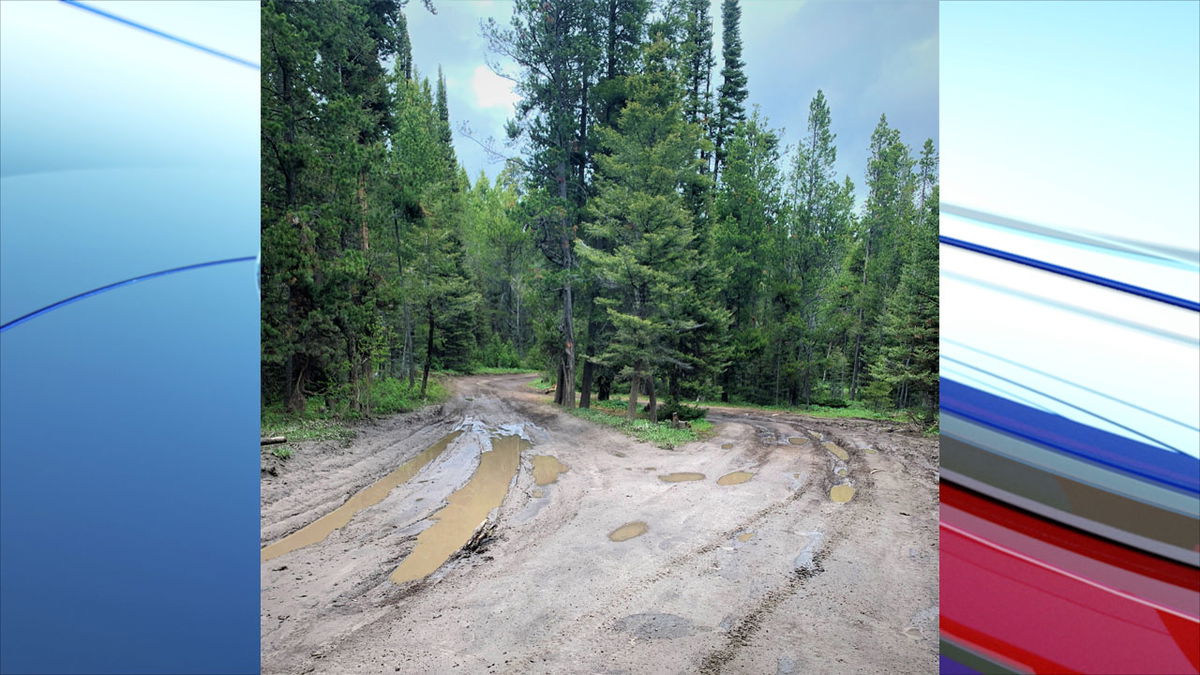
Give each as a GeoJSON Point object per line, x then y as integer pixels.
{"type": "Point", "coordinates": [1072, 273]}
{"type": "Point", "coordinates": [1052, 376]}
{"type": "Point", "coordinates": [159, 33]}
{"type": "Point", "coordinates": [96, 291]}
{"type": "Point", "coordinates": [1044, 443]}
{"type": "Point", "coordinates": [1059, 400]}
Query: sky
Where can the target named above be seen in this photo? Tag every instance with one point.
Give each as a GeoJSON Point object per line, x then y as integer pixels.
{"type": "Point", "coordinates": [869, 57]}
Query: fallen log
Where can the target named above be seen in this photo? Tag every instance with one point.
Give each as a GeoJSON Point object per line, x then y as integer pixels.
{"type": "Point", "coordinates": [272, 440]}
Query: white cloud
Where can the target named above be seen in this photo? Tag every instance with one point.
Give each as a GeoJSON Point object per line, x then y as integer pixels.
{"type": "Point", "coordinates": [491, 90]}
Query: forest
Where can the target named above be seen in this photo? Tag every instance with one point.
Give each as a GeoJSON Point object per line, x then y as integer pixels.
{"type": "Point", "coordinates": [649, 235]}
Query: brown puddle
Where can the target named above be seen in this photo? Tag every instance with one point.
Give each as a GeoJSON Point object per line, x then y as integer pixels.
{"type": "Point", "coordinates": [369, 496]}
{"type": "Point", "coordinates": [628, 531]}
{"type": "Point", "coordinates": [735, 478]}
{"type": "Point", "coordinates": [841, 493]}
{"type": "Point", "coordinates": [726, 446]}
{"type": "Point", "coordinates": [840, 453]}
{"type": "Point", "coordinates": [681, 477]}
{"type": "Point", "coordinates": [465, 510]}
{"type": "Point", "coordinates": [745, 536]}
{"type": "Point", "coordinates": [546, 469]}
{"type": "Point", "coordinates": [796, 440]}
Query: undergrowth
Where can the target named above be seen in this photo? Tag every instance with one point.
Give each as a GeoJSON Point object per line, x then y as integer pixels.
{"type": "Point", "coordinates": [661, 434]}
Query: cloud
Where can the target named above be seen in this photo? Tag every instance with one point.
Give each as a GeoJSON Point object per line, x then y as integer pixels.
{"type": "Point", "coordinates": [491, 90]}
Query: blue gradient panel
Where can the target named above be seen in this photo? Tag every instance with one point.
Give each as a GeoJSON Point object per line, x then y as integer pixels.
{"type": "Point", "coordinates": [129, 337]}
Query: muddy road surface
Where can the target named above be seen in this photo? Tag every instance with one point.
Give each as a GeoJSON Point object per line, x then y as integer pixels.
{"type": "Point", "coordinates": [781, 544]}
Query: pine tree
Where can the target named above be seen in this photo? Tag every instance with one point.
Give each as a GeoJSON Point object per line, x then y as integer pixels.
{"type": "Point", "coordinates": [639, 209]}
{"type": "Point", "coordinates": [733, 91]}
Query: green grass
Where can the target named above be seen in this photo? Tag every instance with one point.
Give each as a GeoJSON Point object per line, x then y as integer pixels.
{"type": "Point", "coordinates": [855, 410]}
{"type": "Point", "coordinates": [391, 396]}
{"type": "Point", "coordinates": [541, 384]}
{"type": "Point", "coordinates": [282, 452]}
{"type": "Point", "coordinates": [324, 420]}
{"type": "Point", "coordinates": [658, 433]}
{"type": "Point", "coordinates": [487, 370]}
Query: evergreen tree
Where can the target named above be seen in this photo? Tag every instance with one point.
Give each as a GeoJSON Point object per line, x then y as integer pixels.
{"type": "Point", "coordinates": [731, 108]}
{"type": "Point", "coordinates": [639, 209]}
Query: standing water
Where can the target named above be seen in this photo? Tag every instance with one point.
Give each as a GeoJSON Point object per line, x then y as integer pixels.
{"type": "Point", "coordinates": [322, 527]}
{"type": "Point", "coordinates": [466, 509]}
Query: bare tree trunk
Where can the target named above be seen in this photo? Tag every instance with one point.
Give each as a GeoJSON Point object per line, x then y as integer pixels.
{"type": "Point", "coordinates": [407, 360]}
{"type": "Point", "coordinates": [296, 380]}
{"type": "Point", "coordinates": [653, 407]}
{"type": "Point", "coordinates": [428, 353]}
{"type": "Point", "coordinates": [567, 386]}
{"type": "Point", "coordinates": [585, 388]}
{"type": "Point", "coordinates": [635, 383]}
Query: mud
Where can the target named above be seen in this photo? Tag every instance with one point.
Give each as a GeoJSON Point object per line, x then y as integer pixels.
{"type": "Point", "coordinates": [539, 588]}
{"type": "Point", "coordinates": [546, 469]}
{"type": "Point", "coordinates": [681, 477]}
{"type": "Point", "coordinates": [628, 531]}
{"type": "Point", "coordinates": [735, 478]}
{"type": "Point", "coordinates": [465, 512]}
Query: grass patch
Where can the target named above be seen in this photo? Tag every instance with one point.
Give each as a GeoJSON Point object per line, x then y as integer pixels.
{"type": "Point", "coordinates": [542, 384]}
{"type": "Point", "coordinates": [329, 421]}
{"type": "Point", "coordinates": [855, 410]}
{"type": "Point", "coordinates": [391, 396]}
{"type": "Point", "coordinates": [658, 433]}
{"type": "Point", "coordinates": [488, 370]}
{"type": "Point", "coordinates": [313, 424]}
{"type": "Point", "coordinates": [282, 452]}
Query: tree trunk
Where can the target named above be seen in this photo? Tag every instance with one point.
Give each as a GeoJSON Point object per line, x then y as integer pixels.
{"type": "Point", "coordinates": [653, 407]}
{"type": "Point", "coordinates": [296, 402]}
{"type": "Point", "coordinates": [585, 387]}
{"type": "Point", "coordinates": [428, 354]}
{"type": "Point", "coordinates": [567, 386]}
{"type": "Point", "coordinates": [407, 359]}
{"type": "Point", "coordinates": [635, 383]}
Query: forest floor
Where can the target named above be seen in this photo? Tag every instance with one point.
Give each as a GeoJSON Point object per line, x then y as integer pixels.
{"type": "Point", "coordinates": [769, 575]}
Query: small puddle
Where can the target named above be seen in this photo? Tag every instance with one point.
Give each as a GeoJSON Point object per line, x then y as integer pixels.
{"type": "Point", "coordinates": [840, 453]}
{"type": "Point", "coordinates": [745, 536]}
{"type": "Point", "coordinates": [546, 469]}
{"type": "Point", "coordinates": [797, 440]}
{"type": "Point", "coordinates": [628, 531]}
{"type": "Point", "coordinates": [465, 510]}
{"type": "Point", "coordinates": [325, 525]}
{"type": "Point", "coordinates": [681, 477]}
{"type": "Point", "coordinates": [841, 493]}
{"type": "Point", "coordinates": [726, 446]}
{"type": "Point", "coordinates": [735, 478]}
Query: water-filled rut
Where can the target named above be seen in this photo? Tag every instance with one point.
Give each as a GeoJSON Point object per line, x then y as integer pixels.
{"type": "Point", "coordinates": [466, 509]}
{"type": "Point", "coordinates": [372, 495]}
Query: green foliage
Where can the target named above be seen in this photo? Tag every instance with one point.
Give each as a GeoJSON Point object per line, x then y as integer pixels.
{"type": "Point", "coordinates": [658, 433]}
{"type": "Point", "coordinates": [396, 396]}
{"type": "Point", "coordinates": [282, 452]}
{"type": "Point", "coordinates": [686, 412]}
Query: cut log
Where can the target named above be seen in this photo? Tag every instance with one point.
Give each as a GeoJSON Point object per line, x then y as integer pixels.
{"type": "Point", "coordinates": [272, 440]}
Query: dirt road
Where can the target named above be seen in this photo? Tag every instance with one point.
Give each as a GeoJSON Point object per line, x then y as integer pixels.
{"type": "Point", "coordinates": [769, 575]}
